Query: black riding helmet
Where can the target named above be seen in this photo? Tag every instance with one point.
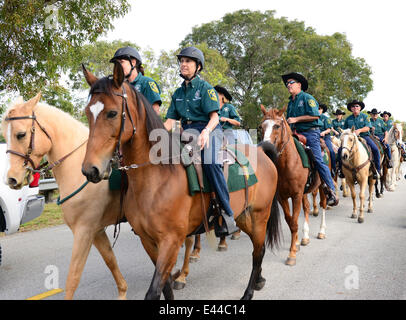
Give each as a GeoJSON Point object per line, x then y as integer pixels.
{"type": "Point", "coordinates": [195, 54]}
{"type": "Point", "coordinates": [127, 53]}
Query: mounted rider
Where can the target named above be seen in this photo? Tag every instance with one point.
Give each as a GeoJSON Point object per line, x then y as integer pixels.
{"type": "Point", "coordinates": [379, 130]}
{"type": "Point", "coordinates": [362, 126]}
{"type": "Point", "coordinates": [338, 122]}
{"type": "Point", "coordinates": [325, 134]}
{"type": "Point", "coordinates": [303, 116]}
{"type": "Point", "coordinates": [196, 105]}
{"type": "Point", "coordinates": [130, 60]}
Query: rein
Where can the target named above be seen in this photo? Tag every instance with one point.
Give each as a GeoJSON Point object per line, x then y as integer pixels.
{"type": "Point", "coordinates": [286, 142]}
{"type": "Point", "coordinates": [354, 170]}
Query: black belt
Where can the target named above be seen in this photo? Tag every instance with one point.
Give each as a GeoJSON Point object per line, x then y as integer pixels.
{"type": "Point", "coordinates": [190, 122]}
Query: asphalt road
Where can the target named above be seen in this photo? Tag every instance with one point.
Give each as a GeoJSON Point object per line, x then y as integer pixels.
{"type": "Point", "coordinates": [355, 261]}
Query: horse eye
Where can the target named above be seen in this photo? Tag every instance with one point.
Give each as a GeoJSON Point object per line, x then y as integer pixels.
{"type": "Point", "coordinates": [20, 135]}
{"type": "Point", "coordinates": [276, 126]}
{"type": "Point", "coordinates": [111, 114]}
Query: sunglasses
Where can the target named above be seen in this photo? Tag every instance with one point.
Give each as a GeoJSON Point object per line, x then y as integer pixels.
{"type": "Point", "coordinates": [290, 82]}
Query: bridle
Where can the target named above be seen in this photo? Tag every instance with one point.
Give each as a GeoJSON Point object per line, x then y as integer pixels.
{"type": "Point", "coordinates": [284, 144]}
{"type": "Point", "coordinates": [352, 147]}
{"type": "Point", "coordinates": [27, 156]}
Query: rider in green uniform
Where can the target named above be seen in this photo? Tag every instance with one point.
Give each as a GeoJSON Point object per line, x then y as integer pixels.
{"type": "Point", "coordinates": [379, 130]}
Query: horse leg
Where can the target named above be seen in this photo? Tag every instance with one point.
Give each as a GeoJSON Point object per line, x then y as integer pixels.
{"type": "Point", "coordinates": [194, 257]}
{"type": "Point", "coordinates": [82, 242]}
{"type": "Point", "coordinates": [362, 187]}
{"type": "Point", "coordinates": [345, 187]}
{"type": "Point", "coordinates": [102, 243]}
{"type": "Point", "coordinates": [180, 276]}
{"type": "Point", "coordinates": [166, 259]}
{"type": "Point", "coordinates": [377, 194]}
{"type": "Point", "coordinates": [222, 244]}
{"type": "Point", "coordinates": [293, 225]}
{"type": "Point", "coordinates": [354, 201]}
{"type": "Point", "coordinates": [257, 235]}
{"type": "Point", "coordinates": [371, 191]}
{"type": "Point", "coordinates": [315, 206]}
{"type": "Point", "coordinates": [323, 204]}
{"type": "Point", "coordinates": [306, 209]}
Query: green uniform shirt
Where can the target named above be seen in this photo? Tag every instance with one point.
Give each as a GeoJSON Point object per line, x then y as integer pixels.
{"type": "Point", "coordinates": [148, 87]}
{"type": "Point", "coordinates": [358, 122]}
{"type": "Point", "coordinates": [338, 124]}
{"type": "Point", "coordinates": [194, 102]}
{"type": "Point", "coordinates": [304, 104]}
{"type": "Point", "coordinates": [228, 111]}
{"type": "Point", "coordinates": [388, 124]}
{"type": "Point", "coordinates": [379, 126]}
{"type": "Point", "coordinates": [326, 122]}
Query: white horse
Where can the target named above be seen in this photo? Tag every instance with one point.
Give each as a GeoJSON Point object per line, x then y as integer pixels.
{"type": "Point", "coordinates": [89, 211]}
{"type": "Point", "coordinates": [394, 138]}
{"type": "Point", "coordinates": [356, 167]}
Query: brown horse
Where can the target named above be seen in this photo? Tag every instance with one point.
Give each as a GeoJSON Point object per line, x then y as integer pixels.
{"type": "Point", "coordinates": [157, 203]}
{"type": "Point", "coordinates": [292, 178]}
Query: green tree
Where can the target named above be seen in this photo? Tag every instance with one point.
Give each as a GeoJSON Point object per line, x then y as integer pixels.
{"type": "Point", "coordinates": [259, 48]}
{"type": "Point", "coordinates": [37, 36]}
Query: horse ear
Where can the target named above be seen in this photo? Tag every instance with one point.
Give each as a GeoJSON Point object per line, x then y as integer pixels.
{"type": "Point", "coordinates": [118, 75]}
{"type": "Point", "coordinates": [283, 110]}
{"type": "Point", "coordinates": [340, 130]}
{"type": "Point", "coordinates": [352, 129]}
{"type": "Point", "coordinates": [90, 77]}
{"type": "Point", "coordinates": [263, 109]}
{"type": "Point", "coordinates": [33, 101]}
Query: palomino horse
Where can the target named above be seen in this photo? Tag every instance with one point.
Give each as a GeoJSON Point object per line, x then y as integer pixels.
{"type": "Point", "coordinates": [34, 130]}
{"type": "Point", "coordinates": [356, 168]}
{"type": "Point", "coordinates": [157, 203]}
{"type": "Point", "coordinates": [292, 178]}
{"type": "Point", "coordinates": [336, 145]}
{"type": "Point", "coordinates": [394, 138]}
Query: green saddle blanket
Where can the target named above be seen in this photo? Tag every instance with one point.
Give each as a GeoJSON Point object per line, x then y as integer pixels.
{"type": "Point", "coordinates": [303, 155]}
{"type": "Point", "coordinates": [235, 176]}
{"type": "Point", "coordinates": [235, 180]}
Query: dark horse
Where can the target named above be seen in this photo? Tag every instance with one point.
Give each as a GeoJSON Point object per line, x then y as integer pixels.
{"type": "Point", "coordinates": [157, 203]}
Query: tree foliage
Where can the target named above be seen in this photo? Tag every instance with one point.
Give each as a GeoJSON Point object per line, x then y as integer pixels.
{"type": "Point", "coordinates": [38, 36]}
{"type": "Point", "coordinates": [259, 48]}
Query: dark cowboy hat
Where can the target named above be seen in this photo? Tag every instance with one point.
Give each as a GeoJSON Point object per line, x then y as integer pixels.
{"type": "Point", "coordinates": [297, 76]}
{"type": "Point", "coordinates": [338, 112]}
{"type": "Point", "coordinates": [386, 112]}
{"type": "Point", "coordinates": [374, 111]}
{"type": "Point", "coordinates": [350, 104]}
{"type": "Point", "coordinates": [224, 91]}
{"type": "Point", "coordinates": [323, 106]}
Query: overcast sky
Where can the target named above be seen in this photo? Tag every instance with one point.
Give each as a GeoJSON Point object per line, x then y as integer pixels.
{"type": "Point", "coordinates": [376, 30]}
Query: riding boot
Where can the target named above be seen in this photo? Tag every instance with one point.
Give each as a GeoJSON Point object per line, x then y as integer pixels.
{"type": "Point", "coordinates": [331, 197]}
{"type": "Point", "coordinates": [389, 164]}
{"type": "Point", "coordinates": [228, 226]}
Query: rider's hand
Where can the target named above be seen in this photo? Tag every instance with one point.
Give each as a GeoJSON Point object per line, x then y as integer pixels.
{"type": "Point", "coordinates": [204, 138]}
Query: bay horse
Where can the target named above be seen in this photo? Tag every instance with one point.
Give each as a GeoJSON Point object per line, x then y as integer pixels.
{"type": "Point", "coordinates": [34, 130]}
{"type": "Point", "coordinates": [292, 178]}
{"type": "Point", "coordinates": [157, 203]}
{"type": "Point", "coordinates": [356, 167]}
{"type": "Point", "coordinates": [394, 138]}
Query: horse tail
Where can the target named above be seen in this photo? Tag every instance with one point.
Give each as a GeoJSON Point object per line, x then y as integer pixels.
{"type": "Point", "coordinates": [273, 227]}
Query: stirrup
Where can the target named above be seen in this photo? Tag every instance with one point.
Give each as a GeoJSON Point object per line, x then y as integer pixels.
{"type": "Point", "coordinates": [228, 226]}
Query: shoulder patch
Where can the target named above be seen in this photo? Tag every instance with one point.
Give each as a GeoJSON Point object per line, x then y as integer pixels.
{"type": "Point", "coordinates": [153, 86]}
{"type": "Point", "coordinates": [312, 103]}
{"type": "Point", "coordinates": [212, 94]}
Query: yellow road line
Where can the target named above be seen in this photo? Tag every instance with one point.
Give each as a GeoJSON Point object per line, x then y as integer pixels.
{"type": "Point", "coordinates": [46, 294]}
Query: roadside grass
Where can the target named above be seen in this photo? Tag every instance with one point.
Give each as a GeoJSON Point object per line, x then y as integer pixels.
{"type": "Point", "coordinates": [51, 216]}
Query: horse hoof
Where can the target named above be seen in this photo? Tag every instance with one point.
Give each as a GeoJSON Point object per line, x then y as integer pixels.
{"type": "Point", "coordinates": [305, 242]}
{"type": "Point", "coordinates": [235, 236]}
{"type": "Point", "coordinates": [193, 259]}
{"type": "Point", "coordinates": [315, 214]}
{"type": "Point", "coordinates": [290, 262]}
{"type": "Point", "coordinates": [370, 210]}
{"type": "Point", "coordinates": [378, 195]}
{"type": "Point", "coordinates": [260, 284]}
{"type": "Point", "coordinates": [177, 285]}
{"type": "Point", "coordinates": [321, 236]}
{"type": "Point", "coordinates": [360, 220]}
{"type": "Point", "coordinates": [222, 248]}
{"type": "Point", "coordinates": [354, 216]}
